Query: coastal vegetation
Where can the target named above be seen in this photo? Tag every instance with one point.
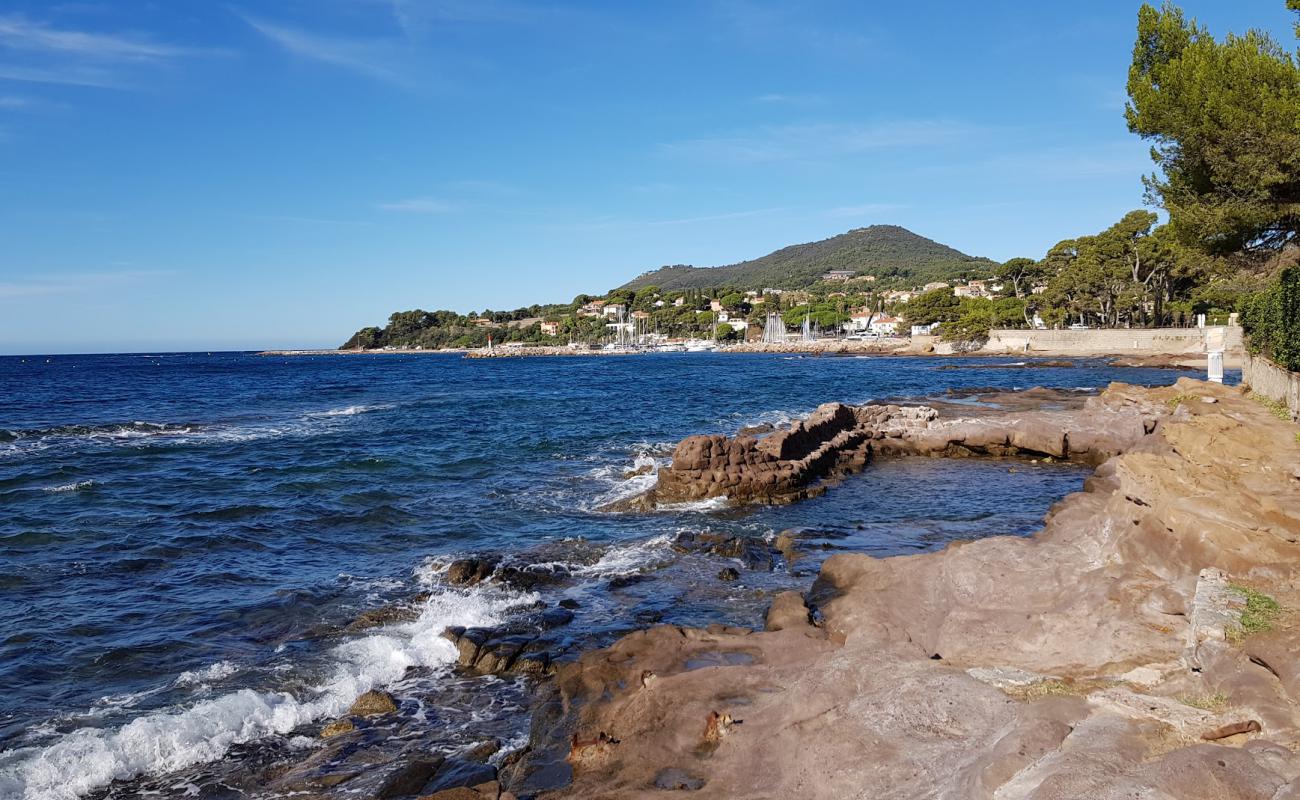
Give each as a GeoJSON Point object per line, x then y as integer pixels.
{"type": "Point", "coordinates": [1272, 318]}
{"type": "Point", "coordinates": [1259, 613]}
{"type": "Point", "coordinates": [1222, 119]}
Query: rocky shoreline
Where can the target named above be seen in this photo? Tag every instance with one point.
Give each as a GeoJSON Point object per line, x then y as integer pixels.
{"type": "Point", "coordinates": [1140, 645]}
{"type": "Point", "coordinates": [826, 347]}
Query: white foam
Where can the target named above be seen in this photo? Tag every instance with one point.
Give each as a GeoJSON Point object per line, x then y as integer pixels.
{"type": "Point", "coordinates": [213, 672]}
{"type": "Point", "coordinates": [165, 741]}
{"type": "Point", "coordinates": [711, 504]}
{"type": "Point", "coordinates": [625, 559]}
{"type": "Point", "coordinates": [311, 423]}
{"type": "Point", "coordinates": [627, 488]}
{"type": "Point", "coordinates": [70, 487]}
{"type": "Point", "coordinates": [349, 411]}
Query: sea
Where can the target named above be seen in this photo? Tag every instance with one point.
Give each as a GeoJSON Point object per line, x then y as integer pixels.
{"type": "Point", "coordinates": [186, 539]}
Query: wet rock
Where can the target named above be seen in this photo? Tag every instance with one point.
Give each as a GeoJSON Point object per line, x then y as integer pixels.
{"type": "Point", "coordinates": [499, 651]}
{"type": "Point", "coordinates": [388, 615]}
{"type": "Point", "coordinates": [484, 791]}
{"type": "Point", "coordinates": [340, 760]}
{"type": "Point", "coordinates": [468, 643]}
{"type": "Point", "coordinates": [569, 603]}
{"type": "Point", "coordinates": [649, 616]}
{"type": "Point", "coordinates": [469, 571]}
{"type": "Point", "coordinates": [373, 703]}
{"type": "Point", "coordinates": [785, 545]}
{"type": "Point", "coordinates": [555, 617]}
{"type": "Point", "coordinates": [673, 779]}
{"type": "Point", "coordinates": [530, 578]}
{"type": "Point", "coordinates": [624, 581]}
{"type": "Point", "coordinates": [497, 655]}
{"type": "Point", "coordinates": [534, 659]}
{"type": "Point", "coordinates": [457, 773]}
{"type": "Point", "coordinates": [337, 728]}
{"type": "Point", "coordinates": [410, 778]}
{"type": "Point", "coordinates": [644, 469]}
{"type": "Point", "coordinates": [752, 551]}
{"type": "Point", "coordinates": [482, 751]}
{"type": "Point", "coordinates": [729, 574]}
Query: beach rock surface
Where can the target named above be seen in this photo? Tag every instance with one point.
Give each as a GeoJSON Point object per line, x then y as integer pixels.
{"type": "Point", "coordinates": [1111, 655]}
{"type": "Point", "coordinates": [788, 465]}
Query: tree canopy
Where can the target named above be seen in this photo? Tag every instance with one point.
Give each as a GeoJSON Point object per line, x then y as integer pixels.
{"type": "Point", "coordinates": [1224, 119]}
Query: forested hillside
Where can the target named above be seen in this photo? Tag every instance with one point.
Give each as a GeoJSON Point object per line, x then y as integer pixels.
{"type": "Point", "coordinates": [885, 251]}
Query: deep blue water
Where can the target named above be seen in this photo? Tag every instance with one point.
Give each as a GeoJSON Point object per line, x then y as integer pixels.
{"type": "Point", "coordinates": [183, 535]}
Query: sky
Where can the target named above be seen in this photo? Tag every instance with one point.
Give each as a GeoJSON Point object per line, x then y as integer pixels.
{"type": "Point", "coordinates": [185, 175]}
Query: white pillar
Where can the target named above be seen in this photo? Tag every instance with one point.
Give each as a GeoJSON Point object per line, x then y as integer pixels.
{"type": "Point", "coordinates": [1216, 366]}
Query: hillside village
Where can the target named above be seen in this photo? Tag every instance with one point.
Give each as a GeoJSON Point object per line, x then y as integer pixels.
{"type": "Point", "coordinates": [882, 281]}
{"type": "Point", "coordinates": [842, 304]}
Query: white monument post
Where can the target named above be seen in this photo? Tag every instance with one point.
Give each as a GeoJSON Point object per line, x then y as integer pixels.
{"type": "Point", "coordinates": [1214, 345]}
{"type": "Point", "coordinates": [1216, 366]}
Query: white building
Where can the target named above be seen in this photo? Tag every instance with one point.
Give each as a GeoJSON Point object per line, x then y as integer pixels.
{"type": "Point", "coordinates": [861, 321]}
{"type": "Point", "coordinates": [885, 326]}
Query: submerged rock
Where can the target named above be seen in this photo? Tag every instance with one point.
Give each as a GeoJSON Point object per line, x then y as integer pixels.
{"type": "Point", "coordinates": [373, 703]}
{"type": "Point", "coordinates": [674, 779]}
{"type": "Point", "coordinates": [753, 552]}
{"type": "Point", "coordinates": [785, 545]}
{"type": "Point", "coordinates": [469, 571]}
{"type": "Point", "coordinates": [337, 728]}
{"type": "Point", "coordinates": [497, 652]}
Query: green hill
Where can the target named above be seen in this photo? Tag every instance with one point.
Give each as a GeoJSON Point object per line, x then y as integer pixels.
{"type": "Point", "coordinates": [886, 251]}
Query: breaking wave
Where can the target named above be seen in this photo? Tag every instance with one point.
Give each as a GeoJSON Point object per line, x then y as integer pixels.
{"type": "Point", "coordinates": [20, 442]}
{"type": "Point", "coordinates": [70, 487]}
{"type": "Point", "coordinates": [89, 758]}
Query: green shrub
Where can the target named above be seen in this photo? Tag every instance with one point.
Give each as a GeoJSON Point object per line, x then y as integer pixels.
{"type": "Point", "coordinates": [1259, 613]}
{"type": "Point", "coordinates": [1271, 319]}
{"type": "Point", "coordinates": [1275, 407]}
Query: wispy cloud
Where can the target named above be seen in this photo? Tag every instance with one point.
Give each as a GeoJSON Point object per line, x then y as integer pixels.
{"type": "Point", "coordinates": [300, 220]}
{"type": "Point", "coordinates": [779, 98]}
{"type": "Point", "coordinates": [75, 282]}
{"type": "Point", "coordinates": [1081, 162]}
{"type": "Point", "coordinates": [864, 210]}
{"type": "Point", "coordinates": [457, 195]}
{"type": "Point", "coordinates": [68, 75]}
{"type": "Point", "coordinates": [370, 57]}
{"type": "Point", "coordinates": [815, 142]}
{"type": "Point", "coordinates": [19, 33]}
{"type": "Point", "coordinates": [760, 24]}
{"type": "Point", "coordinates": [42, 53]}
{"type": "Point", "coordinates": [417, 17]}
{"type": "Point", "coordinates": [487, 188]}
{"type": "Point", "coordinates": [419, 205]}
{"type": "Point", "coordinates": [609, 222]}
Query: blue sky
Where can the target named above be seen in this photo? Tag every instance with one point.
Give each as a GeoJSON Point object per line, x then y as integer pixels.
{"type": "Point", "coordinates": [199, 175]}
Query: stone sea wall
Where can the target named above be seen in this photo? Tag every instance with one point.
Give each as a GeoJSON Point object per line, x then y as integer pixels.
{"type": "Point", "coordinates": [1112, 340]}
{"type": "Point", "coordinates": [1268, 379]}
